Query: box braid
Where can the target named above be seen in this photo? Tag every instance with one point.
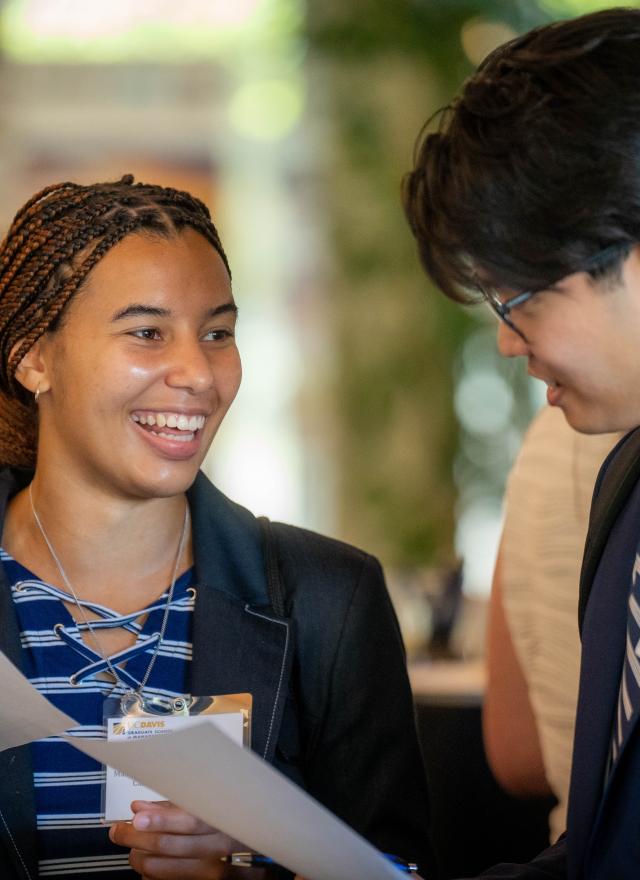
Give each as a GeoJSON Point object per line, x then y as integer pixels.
{"type": "Point", "coordinates": [54, 242]}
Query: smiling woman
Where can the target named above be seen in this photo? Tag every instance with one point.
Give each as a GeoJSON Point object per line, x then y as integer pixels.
{"type": "Point", "coordinates": [128, 580]}
{"type": "Point", "coordinates": [156, 355]}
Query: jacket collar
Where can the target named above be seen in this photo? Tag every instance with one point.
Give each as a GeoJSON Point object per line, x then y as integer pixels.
{"type": "Point", "coordinates": [239, 644]}
{"type": "Point", "coordinates": [227, 544]}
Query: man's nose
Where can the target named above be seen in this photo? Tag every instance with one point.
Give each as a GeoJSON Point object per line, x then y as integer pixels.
{"type": "Point", "coordinates": [511, 343]}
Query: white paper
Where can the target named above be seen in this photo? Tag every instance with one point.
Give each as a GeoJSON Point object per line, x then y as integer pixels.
{"type": "Point", "coordinates": [203, 771]}
{"type": "Point", "coordinates": [25, 715]}
{"type": "Point", "coordinates": [121, 789]}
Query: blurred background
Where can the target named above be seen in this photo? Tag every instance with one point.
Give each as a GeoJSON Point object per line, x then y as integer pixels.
{"type": "Point", "coordinates": [372, 409]}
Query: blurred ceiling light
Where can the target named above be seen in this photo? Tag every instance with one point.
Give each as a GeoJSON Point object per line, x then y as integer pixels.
{"type": "Point", "coordinates": [80, 19]}
{"type": "Point", "coordinates": [479, 37]}
{"type": "Point", "coordinates": [483, 402]}
{"type": "Point", "coordinates": [266, 110]}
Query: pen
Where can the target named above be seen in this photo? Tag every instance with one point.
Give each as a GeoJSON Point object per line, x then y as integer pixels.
{"type": "Point", "coordinates": [255, 860]}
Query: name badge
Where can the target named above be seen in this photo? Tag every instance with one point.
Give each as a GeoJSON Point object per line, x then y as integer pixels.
{"type": "Point", "coordinates": [135, 718]}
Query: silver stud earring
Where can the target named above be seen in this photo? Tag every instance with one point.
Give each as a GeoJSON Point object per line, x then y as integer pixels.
{"type": "Point", "coordinates": [37, 394]}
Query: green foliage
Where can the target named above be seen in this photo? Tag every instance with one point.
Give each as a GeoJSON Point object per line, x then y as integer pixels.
{"type": "Point", "coordinates": [422, 29]}
{"type": "Point", "coordinates": [387, 67]}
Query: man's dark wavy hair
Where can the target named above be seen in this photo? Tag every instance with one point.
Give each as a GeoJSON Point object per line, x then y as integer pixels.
{"type": "Point", "coordinates": [536, 166]}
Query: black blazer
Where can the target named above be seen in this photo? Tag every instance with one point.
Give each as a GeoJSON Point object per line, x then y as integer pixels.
{"type": "Point", "coordinates": [332, 707]}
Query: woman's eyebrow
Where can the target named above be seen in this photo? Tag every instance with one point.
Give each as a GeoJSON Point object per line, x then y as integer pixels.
{"type": "Point", "coordinates": [139, 310]}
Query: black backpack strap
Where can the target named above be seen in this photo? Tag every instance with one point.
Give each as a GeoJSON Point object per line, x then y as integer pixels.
{"type": "Point", "coordinates": [277, 595]}
{"type": "Point", "coordinates": [619, 474]}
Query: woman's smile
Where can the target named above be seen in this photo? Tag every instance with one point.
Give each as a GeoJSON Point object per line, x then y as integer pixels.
{"type": "Point", "coordinates": [173, 434]}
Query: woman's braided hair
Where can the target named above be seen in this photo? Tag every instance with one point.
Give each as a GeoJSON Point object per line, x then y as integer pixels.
{"type": "Point", "coordinates": [54, 242]}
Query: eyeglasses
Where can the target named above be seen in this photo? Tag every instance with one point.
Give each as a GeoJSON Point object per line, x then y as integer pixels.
{"type": "Point", "coordinates": [503, 309]}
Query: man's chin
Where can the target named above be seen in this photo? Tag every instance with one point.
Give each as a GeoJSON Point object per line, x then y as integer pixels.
{"type": "Point", "coordinates": [593, 421]}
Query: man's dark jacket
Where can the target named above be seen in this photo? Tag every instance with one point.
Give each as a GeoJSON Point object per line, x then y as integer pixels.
{"type": "Point", "coordinates": [602, 841]}
{"type": "Point", "coordinates": [332, 707]}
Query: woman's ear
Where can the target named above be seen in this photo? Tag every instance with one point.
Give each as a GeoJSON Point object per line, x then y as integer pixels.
{"type": "Point", "coordinates": [31, 372]}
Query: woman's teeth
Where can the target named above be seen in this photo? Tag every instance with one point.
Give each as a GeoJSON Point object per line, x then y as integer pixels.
{"type": "Point", "coordinates": [170, 420]}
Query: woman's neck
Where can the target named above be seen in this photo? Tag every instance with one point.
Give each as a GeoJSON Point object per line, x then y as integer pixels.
{"type": "Point", "coordinates": [117, 551]}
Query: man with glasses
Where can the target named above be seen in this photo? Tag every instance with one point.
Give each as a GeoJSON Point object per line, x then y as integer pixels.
{"type": "Point", "coordinates": [527, 196]}
{"type": "Point", "coordinates": [602, 261]}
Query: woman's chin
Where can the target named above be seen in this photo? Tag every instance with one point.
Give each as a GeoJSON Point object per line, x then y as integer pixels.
{"type": "Point", "coordinates": [165, 481]}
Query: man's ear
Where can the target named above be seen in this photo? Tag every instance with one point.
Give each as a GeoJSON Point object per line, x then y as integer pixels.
{"type": "Point", "coordinates": [31, 371]}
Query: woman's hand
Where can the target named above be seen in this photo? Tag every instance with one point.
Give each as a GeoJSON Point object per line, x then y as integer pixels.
{"type": "Point", "coordinates": [168, 844]}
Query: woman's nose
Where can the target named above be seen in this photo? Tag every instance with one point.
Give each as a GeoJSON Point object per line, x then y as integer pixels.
{"type": "Point", "coordinates": [190, 367]}
{"type": "Point", "coordinates": [511, 343]}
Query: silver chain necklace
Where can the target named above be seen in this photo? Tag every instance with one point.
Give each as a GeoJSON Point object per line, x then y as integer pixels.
{"type": "Point", "coordinates": [112, 669]}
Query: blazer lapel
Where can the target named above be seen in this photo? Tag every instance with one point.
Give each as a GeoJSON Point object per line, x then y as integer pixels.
{"type": "Point", "coordinates": [17, 802]}
{"type": "Point", "coordinates": [239, 644]}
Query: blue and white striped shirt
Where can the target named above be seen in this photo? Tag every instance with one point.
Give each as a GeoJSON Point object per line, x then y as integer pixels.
{"type": "Point", "coordinates": [72, 839]}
